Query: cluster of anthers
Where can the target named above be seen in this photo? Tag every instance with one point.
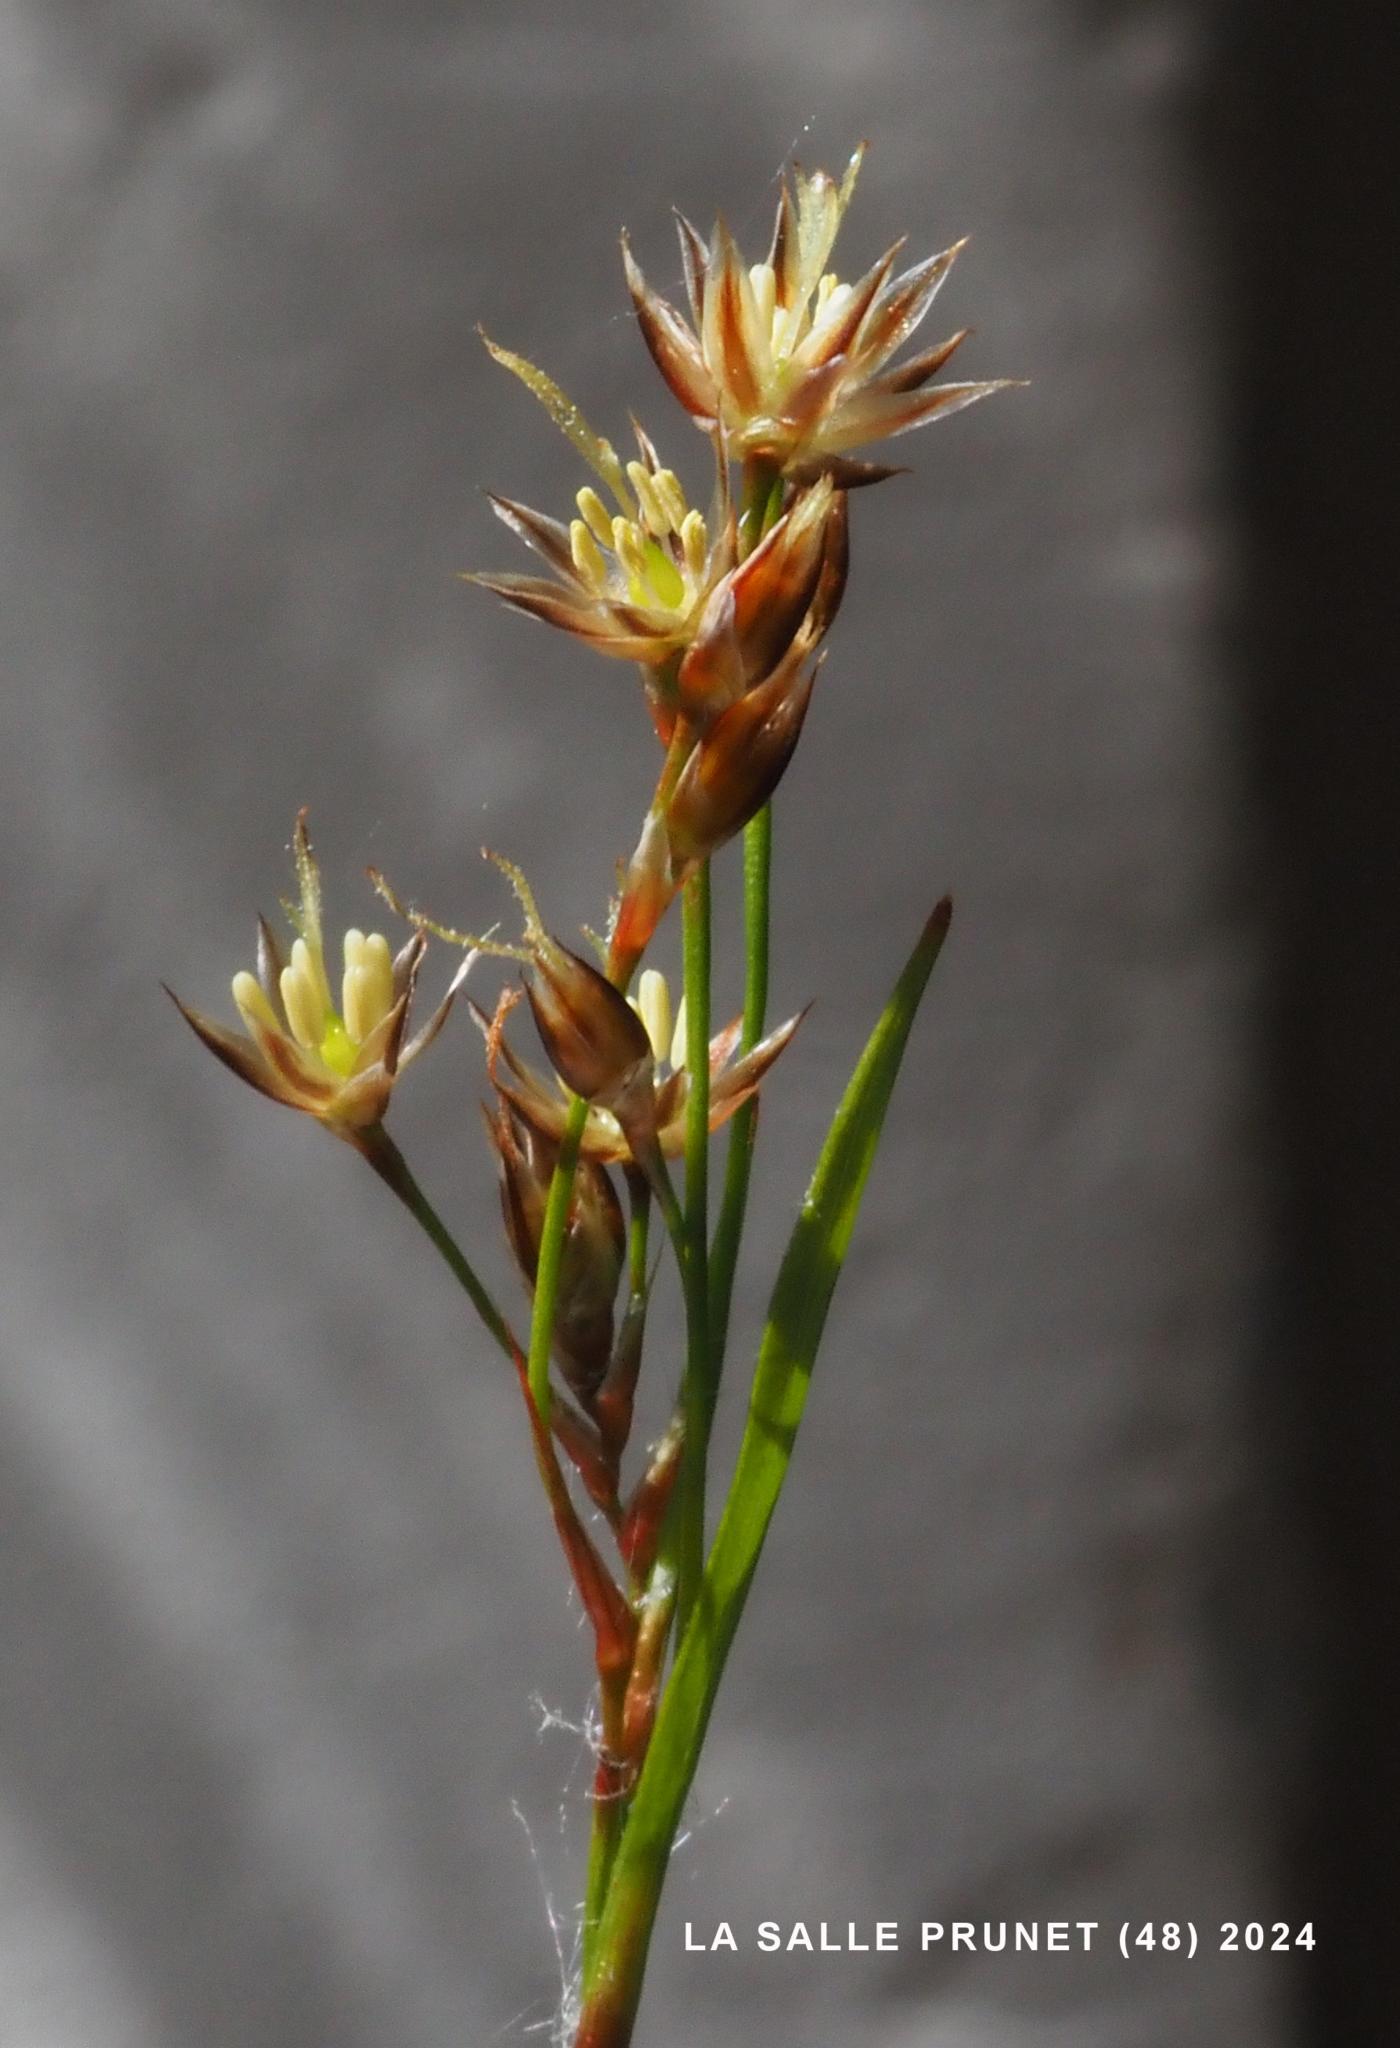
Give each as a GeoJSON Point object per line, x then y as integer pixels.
{"type": "Point", "coordinates": [296, 1047]}
{"type": "Point", "coordinates": [630, 582]}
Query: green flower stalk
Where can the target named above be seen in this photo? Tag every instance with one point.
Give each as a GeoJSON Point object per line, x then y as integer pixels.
{"type": "Point", "coordinates": [726, 612]}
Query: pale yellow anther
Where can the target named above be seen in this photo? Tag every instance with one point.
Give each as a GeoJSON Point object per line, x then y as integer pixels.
{"type": "Point", "coordinates": [595, 515]}
{"type": "Point", "coordinates": [253, 1005]}
{"type": "Point", "coordinates": [667, 486]}
{"type": "Point", "coordinates": [765, 293]}
{"type": "Point", "coordinates": [309, 960]}
{"type": "Point", "coordinates": [678, 1039]}
{"type": "Point", "coordinates": [378, 956]}
{"type": "Point", "coordinates": [654, 1008]}
{"type": "Point", "coordinates": [301, 999]}
{"type": "Point", "coordinates": [695, 544]}
{"type": "Point", "coordinates": [588, 556]}
{"type": "Point", "coordinates": [367, 994]}
{"type": "Point", "coordinates": [357, 1004]}
{"type": "Point", "coordinates": [627, 546]}
{"type": "Point", "coordinates": [653, 512]}
{"type": "Point", "coordinates": [308, 957]}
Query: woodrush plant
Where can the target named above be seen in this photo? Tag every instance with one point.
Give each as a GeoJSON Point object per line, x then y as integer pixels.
{"type": "Point", "coordinates": [787, 371]}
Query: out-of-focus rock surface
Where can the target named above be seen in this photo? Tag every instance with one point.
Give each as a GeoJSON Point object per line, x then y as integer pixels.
{"type": "Point", "coordinates": [276, 1591]}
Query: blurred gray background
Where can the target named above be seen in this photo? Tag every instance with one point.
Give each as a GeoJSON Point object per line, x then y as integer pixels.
{"type": "Point", "coordinates": [281, 1615]}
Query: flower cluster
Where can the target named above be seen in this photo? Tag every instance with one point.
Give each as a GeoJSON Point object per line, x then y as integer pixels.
{"type": "Point", "coordinates": [788, 369]}
{"type": "Point", "coordinates": [726, 611]}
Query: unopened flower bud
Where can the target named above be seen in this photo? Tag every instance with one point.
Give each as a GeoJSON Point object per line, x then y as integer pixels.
{"type": "Point", "coordinates": [595, 1244]}
{"type": "Point", "coordinates": [738, 765]}
{"type": "Point", "coordinates": [596, 1042]}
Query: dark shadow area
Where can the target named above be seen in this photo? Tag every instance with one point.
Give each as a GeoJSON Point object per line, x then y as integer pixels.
{"type": "Point", "coordinates": [1302, 143]}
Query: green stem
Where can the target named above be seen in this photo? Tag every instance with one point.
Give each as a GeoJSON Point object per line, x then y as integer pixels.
{"type": "Point", "coordinates": [609, 1818]}
{"type": "Point", "coordinates": [551, 1258]}
{"type": "Point", "coordinates": [613, 1964]}
{"type": "Point", "coordinates": [697, 1392]}
{"type": "Point", "coordinates": [762, 504]}
{"type": "Point", "coordinates": [743, 1129]}
{"type": "Point", "coordinates": [609, 1814]}
{"type": "Point", "coordinates": [384, 1156]}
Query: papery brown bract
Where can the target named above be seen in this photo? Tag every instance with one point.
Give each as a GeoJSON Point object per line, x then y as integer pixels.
{"type": "Point", "coordinates": [647, 888]}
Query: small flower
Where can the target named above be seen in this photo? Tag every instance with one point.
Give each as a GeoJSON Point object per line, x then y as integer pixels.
{"type": "Point", "coordinates": [789, 361]}
{"type": "Point", "coordinates": [337, 1065]}
{"type": "Point", "coordinates": [630, 581]}
{"type": "Point", "coordinates": [544, 1105]}
{"type": "Point", "coordinates": [744, 686]}
{"type": "Point", "coordinates": [658, 584]}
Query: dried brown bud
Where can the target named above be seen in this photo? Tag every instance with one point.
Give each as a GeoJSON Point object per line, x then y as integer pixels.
{"type": "Point", "coordinates": [734, 1078]}
{"type": "Point", "coordinates": [596, 1043]}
